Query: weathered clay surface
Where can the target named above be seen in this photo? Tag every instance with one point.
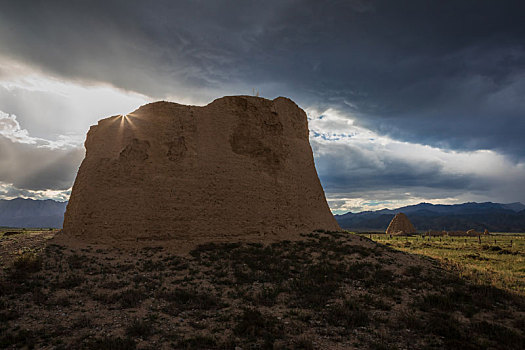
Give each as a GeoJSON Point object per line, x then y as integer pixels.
{"type": "Point", "coordinates": [400, 225]}
{"type": "Point", "coordinates": [239, 167]}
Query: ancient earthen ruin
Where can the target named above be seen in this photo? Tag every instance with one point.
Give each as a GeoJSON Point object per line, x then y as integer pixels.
{"type": "Point", "coordinates": [239, 167]}
{"type": "Point", "coordinates": [400, 225]}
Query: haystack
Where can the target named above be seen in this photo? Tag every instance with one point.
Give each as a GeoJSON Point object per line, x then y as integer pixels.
{"type": "Point", "coordinates": [400, 225]}
{"type": "Point", "coordinates": [240, 167]}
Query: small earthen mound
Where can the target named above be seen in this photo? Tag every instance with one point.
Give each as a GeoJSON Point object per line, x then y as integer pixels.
{"type": "Point", "coordinates": [239, 168]}
{"type": "Point", "coordinates": [11, 233]}
{"type": "Point", "coordinates": [400, 225]}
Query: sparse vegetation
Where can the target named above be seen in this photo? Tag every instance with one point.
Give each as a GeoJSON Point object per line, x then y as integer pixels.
{"type": "Point", "coordinates": [497, 260]}
{"type": "Point", "coordinates": [24, 265]}
{"type": "Point", "coordinates": [326, 290]}
{"type": "Point", "coordinates": [110, 343]}
{"type": "Point", "coordinates": [140, 329]}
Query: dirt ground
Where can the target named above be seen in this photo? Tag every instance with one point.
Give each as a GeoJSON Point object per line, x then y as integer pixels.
{"type": "Point", "coordinates": [329, 290]}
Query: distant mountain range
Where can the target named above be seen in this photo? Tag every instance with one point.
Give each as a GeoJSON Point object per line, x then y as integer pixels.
{"type": "Point", "coordinates": [495, 217]}
{"type": "Point", "coordinates": [21, 212]}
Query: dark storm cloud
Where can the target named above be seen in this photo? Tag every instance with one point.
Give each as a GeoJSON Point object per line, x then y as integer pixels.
{"type": "Point", "coordinates": [449, 74]}
{"type": "Point", "coordinates": [358, 177]}
{"type": "Point", "coordinates": [346, 168]}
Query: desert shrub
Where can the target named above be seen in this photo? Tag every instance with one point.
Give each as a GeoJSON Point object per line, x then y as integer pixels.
{"type": "Point", "coordinates": [493, 248]}
{"type": "Point", "coordinates": [408, 319]}
{"type": "Point", "coordinates": [303, 343]}
{"type": "Point", "coordinates": [267, 296]}
{"type": "Point", "coordinates": [414, 270]}
{"type": "Point", "coordinates": [113, 285]}
{"type": "Point", "coordinates": [214, 249]}
{"type": "Point", "coordinates": [8, 315]}
{"type": "Point", "coordinates": [70, 282]}
{"type": "Point", "coordinates": [150, 265]}
{"type": "Point", "coordinates": [486, 296]}
{"type": "Point", "coordinates": [128, 298]}
{"type": "Point", "coordinates": [357, 249]}
{"type": "Point", "coordinates": [131, 298]}
{"type": "Point", "coordinates": [444, 325]}
{"type": "Point", "coordinates": [256, 264]}
{"type": "Point", "coordinates": [443, 302]}
{"type": "Point", "coordinates": [378, 303]}
{"type": "Point", "coordinates": [317, 283]}
{"type": "Point", "coordinates": [359, 271]}
{"type": "Point", "coordinates": [140, 328]}
{"type": "Point", "coordinates": [105, 298]}
{"type": "Point", "coordinates": [502, 335]}
{"type": "Point", "coordinates": [76, 261]}
{"type": "Point", "coordinates": [519, 322]}
{"type": "Point", "coordinates": [382, 276]}
{"type": "Point", "coordinates": [20, 339]}
{"type": "Point", "coordinates": [508, 252]}
{"type": "Point", "coordinates": [252, 323]}
{"type": "Point", "coordinates": [382, 345]}
{"type": "Point", "coordinates": [111, 343]}
{"type": "Point", "coordinates": [62, 301]}
{"type": "Point", "coordinates": [349, 315]}
{"type": "Point", "coordinates": [198, 342]}
{"type": "Point", "coordinates": [84, 321]}
{"type": "Point", "coordinates": [124, 267]}
{"type": "Point", "coordinates": [39, 297]}
{"type": "Point", "coordinates": [148, 283]}
{"type": "Point", "coordinates": [23, 266]}
{"type": "Point", "coordinates": [184, 299]}
{"type": "Point", "coordinates": [28, 262]}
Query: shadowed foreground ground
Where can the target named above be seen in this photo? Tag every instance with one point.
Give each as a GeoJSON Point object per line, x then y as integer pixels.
{"type": "Point", "coordinates": [330, 291]}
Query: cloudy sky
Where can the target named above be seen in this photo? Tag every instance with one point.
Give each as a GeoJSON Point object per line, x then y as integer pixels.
{"type": "Point", "coordinates": [408, 101]}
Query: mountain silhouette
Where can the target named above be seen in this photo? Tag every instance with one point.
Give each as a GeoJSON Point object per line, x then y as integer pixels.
{"type": "Point", "coordinates": [30, 213]}
{"type": "Point", "coordinates": [495, 217]}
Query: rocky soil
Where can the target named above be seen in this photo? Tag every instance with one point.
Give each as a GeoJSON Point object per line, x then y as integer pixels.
{"type": "Point", "coordinates": [327, 291]}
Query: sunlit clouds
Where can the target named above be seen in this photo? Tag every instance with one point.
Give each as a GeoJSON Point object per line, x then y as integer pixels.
{"type": "Point", "coordinates": [362, 170]}
{"type": "Point", "coordinates": [50, 107]}
{"type": "Point", "coordinates": [43, 122]}
{"type": "Point", "coordinates": [8, 191]}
